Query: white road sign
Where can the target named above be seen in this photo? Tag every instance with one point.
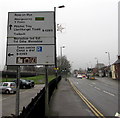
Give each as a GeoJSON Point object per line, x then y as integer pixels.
{"type": "Point", "coordinates": [31, 26]}
{"type": "Point", "coordinates": [30, 38]}
{"type": "Point", "coordinates": [31, 55]}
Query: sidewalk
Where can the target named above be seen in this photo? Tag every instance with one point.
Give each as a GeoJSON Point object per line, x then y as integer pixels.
{"type": "Point", "coordinates": [65, 102]}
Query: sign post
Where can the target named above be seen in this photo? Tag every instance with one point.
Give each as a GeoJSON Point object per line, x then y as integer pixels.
{"type": "Point", "coordinates": [17, 91]}
{"type": "Point", "coordinates": [31, 40]}
{"type": "Point", "coordinates": [46, 92]}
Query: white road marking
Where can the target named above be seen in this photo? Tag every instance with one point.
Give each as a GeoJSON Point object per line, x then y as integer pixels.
{"type": "Point", "coordinates": [97, 88]}
{"type": "Point", "coordinates": [109, 93]}
{"type": "Point", "coordinates": [93, 83]}
{"type": "Point", "coordinates": [90, 84]}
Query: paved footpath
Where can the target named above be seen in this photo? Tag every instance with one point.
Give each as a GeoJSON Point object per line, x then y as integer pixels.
{"type": "Point", "coordinates": [65, 102]}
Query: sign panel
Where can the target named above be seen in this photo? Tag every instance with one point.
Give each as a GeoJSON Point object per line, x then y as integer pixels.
{"type": "Point", "coordinates": [31, 55]}
{"type": "Point", "coordinates": [31, 27]}
{"type": "Point", "coordinates": [30, 38]}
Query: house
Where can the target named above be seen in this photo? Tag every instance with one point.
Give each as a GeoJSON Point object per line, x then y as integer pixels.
{"type": "Point", "coordinates": [113, 71]}
{"type": "Point", "coordinates": [117, 68]}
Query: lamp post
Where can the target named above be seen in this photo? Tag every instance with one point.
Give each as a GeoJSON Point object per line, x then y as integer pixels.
{"type": "Point", "coordinates": [62, 6]}
{"type": "Point", "coordinates": [108, 58]}
{"type": "Point", "coordinates": [97, 64]}
{"type": "Point", "coordinates": [46, 68]}
{"type": "Point", "coordinates": [61, 51]}
{"type": "Point", "coordinates": [108, 63]}
{"type": "Point", "coordinates": [97, 61]}
{"type": "Point", "coordinates": [61, 57]}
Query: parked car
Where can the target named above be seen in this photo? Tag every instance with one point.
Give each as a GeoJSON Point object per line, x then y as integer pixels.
{"type": "Point", "coordinates": [32, 81]}
{"type": "Point", "coordinates": [7, 87]}
{"type": "Point", "coordinates": [24, 83]}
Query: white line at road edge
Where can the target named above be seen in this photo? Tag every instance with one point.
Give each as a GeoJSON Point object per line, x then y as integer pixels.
{"type": "Point", "coordinates": [109, 93]}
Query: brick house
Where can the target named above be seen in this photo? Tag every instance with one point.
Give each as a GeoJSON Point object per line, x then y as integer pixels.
{"type": "Point", "coordinates": [117, 68]}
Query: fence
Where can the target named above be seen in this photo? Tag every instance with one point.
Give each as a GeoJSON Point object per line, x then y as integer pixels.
{"type": "Point", "coordinates": [36, 108]}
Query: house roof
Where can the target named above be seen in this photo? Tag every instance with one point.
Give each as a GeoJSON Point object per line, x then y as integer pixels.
{"type": "Point", "coordinates": [117, 62]}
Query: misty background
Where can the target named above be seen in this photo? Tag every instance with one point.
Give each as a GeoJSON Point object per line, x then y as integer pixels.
{"type": "Point", "coordinates": [90, 28]}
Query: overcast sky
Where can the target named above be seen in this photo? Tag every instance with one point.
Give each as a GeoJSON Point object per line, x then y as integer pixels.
{"type": "Point", "coordinates": [91, 28]}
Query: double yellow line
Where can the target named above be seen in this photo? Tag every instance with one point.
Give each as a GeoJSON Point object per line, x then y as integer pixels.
{"type": "Point", "coordinates": [92, 108]}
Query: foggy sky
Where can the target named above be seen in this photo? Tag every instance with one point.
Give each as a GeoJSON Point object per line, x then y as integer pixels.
{"type": "Point", "coordinates": [91, 28]}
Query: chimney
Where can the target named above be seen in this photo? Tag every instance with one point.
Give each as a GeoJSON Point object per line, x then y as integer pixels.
{"type": "Point", "coordinates": [119, 57]}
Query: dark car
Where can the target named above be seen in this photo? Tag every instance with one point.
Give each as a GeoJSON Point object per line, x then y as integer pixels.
{"type": "Point", "coordinates": [32, 81]}
{"type": "Point", "coordinates": [25, 83]}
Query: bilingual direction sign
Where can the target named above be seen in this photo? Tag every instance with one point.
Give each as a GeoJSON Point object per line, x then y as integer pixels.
{"type": "Point", "coordinates": [30, 38]}
{"type": "Point", "coordinates": [30, 55]}
{"type": "Point", "coordinates": [31, 27]}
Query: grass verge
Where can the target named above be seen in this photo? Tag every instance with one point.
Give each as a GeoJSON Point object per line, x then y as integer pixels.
{"type": "Point", "coordinates": [40, 79]}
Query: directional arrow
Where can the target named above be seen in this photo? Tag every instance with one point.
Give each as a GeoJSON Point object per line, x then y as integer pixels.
{"type": "Point", "coordinates": [10, 54]}
{"type": "Point", "coordinates": [10, 26]}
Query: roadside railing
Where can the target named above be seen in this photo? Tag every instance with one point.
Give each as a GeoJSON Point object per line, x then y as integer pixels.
{"type": "Point", "coordinates": [36, 108]}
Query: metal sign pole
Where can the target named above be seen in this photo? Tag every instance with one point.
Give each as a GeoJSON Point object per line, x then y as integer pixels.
{"type": "Point", "coordinates": [46, 92]}
{"type": "Point", "coordinates": [17, 92]}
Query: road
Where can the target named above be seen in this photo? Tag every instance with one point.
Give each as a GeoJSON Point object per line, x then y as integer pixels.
{"type": "Point", "coordinates": [9, 100]}
{"type": "Point", "coordinates": [102, 93]}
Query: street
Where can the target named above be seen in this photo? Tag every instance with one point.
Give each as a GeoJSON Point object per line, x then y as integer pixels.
{"type": "Point", "coordinates": [101, 92]}
{"type": "Point", "coordinates": [9, 100]}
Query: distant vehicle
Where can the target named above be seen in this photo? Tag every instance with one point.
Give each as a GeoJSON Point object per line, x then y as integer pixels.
{"type": "Point", "coordinates": [90, 76]}
{"type": "Point", "coordinates": [84, 76]}
{"type": "Point", "coordinates": [79, 76]}
{"type": "Point", "coordinates": [25, 83]}
{"type": "Point", "coordinates": [7, 87]}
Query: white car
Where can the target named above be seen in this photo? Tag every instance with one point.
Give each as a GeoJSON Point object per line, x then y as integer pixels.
{"type": "Point", "coordinates": [79, 76]}
{"type": "Point", "coordinates": [7, 87]}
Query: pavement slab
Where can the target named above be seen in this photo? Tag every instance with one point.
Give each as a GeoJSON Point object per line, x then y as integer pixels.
{"type": "Point", "coordinates": [65, 102]}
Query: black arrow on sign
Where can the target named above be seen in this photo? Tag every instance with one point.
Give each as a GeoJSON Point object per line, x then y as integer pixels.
{"type": "Point", "coordinates": [10, 54]}
{"type": "Point", "coordinates": [10, 26]}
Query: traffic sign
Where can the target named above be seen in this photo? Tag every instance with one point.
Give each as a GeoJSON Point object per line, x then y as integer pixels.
{"type": "Point", "coordinates": [30, 55]}
{"type": "Point", "coordinates": [30, 38]}
{"type": "Point", "coordinates": [30, 27]}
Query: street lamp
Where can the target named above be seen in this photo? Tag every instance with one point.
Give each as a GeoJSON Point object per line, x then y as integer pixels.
{"type": "Point", "coordinates": [108, 57]}
{"type": "Point", "coordinates": [61, 57]}
{"type": "Point", "coordinates": [61, 50]}
{"type": "Point", "coordinates": [62, 6]}
{"type": "Point", "coordinates": [97, 61]}
{"type": "Point", "coordinates": [97, 64]}
{"type": "Point", "coordinates": [108, 63]}
{"type": "Point", "coordinates": [46, 84]}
